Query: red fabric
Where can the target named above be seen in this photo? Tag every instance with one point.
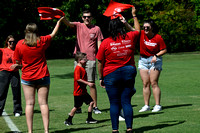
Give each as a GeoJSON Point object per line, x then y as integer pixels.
{"type": "Point", "coordinates": [119, 53]}
{"type": "Point", "coordinates": [150, 47]}
{"type": "Point", "coordinates": [47, 13]}
{"type": "Point", "coordinates": [79, 88]}
{"type": "Point", "coordinates": [114, 9]}
{"type": "Point", "coordinates": [6, 59]}
{"type": "Point", "coordinates": [33, 59]}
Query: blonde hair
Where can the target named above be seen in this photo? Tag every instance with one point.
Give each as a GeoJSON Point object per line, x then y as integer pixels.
{"type": "Point", "coordinates": [31, 34]}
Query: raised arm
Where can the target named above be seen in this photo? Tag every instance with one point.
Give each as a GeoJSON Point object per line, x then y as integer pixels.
{"type": "Point", "coordinates": [55, 30]}
{"type": "Point", "coordinates": [136, 23]}
{"type": "Point", "coordinates": [68, 23]}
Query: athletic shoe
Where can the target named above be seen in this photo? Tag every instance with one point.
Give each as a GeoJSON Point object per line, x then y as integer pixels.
{"type": "Point", "coordinates": [91, 121]}
{"type": "Point", "coordinates": [17, 114]}
{"type": "Point", "coordinates": [79, 110]}
{"type": "Point", "coordinates": [121, 118]}
{"type": "Point", "coordinates": [96, 110]}
{"type": "Point", "coordinates": [144, 108]}
{"type": "Point", "coordinates": [157, 108]}
{"type": "Point", "coordinates": [131, 131]}
{"type": "Point", "coordinates": [68, 123]}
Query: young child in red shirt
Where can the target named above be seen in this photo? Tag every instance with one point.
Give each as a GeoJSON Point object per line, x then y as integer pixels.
{"type": "Point", "coordinates": [80, 91]}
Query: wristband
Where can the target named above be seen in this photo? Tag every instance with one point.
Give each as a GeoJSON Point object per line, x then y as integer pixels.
{"type": "Point", "coordinates": [100, 78]}
{"type": "Point", "coordinates": [156, 55]}
{"type": "Point", "coordinates": [134, 17]}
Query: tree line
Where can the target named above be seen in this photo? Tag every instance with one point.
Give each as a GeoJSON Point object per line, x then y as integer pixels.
{"type": "Point", "coordinates": [178, 21]}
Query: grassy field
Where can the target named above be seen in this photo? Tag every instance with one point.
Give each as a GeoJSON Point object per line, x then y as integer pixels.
{"type": "Point", "coordinates": [180, 87]}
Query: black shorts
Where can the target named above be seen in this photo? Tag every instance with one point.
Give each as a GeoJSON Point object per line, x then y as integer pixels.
{"type": "Point", "coordinates": [78, 100]}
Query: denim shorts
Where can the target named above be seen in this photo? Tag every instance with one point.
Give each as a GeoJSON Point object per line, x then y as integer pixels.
{"type": "Point", "coordinates": [42, 81]}
{"type": "Point", "coordinates": [145, 63]}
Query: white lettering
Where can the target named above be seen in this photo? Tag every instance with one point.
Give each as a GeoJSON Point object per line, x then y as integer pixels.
{"type": "Point", "coordinates": [115, 44]}
{"type": "Point", "coordinates": [149, 43]}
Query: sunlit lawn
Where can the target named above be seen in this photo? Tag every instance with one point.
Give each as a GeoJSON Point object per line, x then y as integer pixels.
{"type": "Point", "coordinates": [179, 82]}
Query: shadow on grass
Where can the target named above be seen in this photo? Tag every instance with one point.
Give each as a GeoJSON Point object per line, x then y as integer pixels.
{"type": "Point", "coordinates": [78, 129]}
{"type": "Point", "coordinates": [108, 109]}
{"type": "Point", "coordinates": [176, 106]}
{"type": "Point", "coordinates": [65, 76]}
{"type": "Point", "coordinates": [159, 126]}
{"type": "Point", "coordinates": [38, 111]}
{"type": "Point", "coordinates": [146, 114]}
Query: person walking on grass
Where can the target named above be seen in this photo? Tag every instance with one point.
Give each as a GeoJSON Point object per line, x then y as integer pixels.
{"type": "Point", "coordinates": [30, 53]}
{"type": "Point", "coordinates": [88, 41]}
{"type": "Point", "coordinates": [80, 91]}
{"type": "Point", "coordinates": [9, 76]}
{"type": "Point", "coordinates": [117, 71]}
{"type": "Point", "coordinates": [152, 47]}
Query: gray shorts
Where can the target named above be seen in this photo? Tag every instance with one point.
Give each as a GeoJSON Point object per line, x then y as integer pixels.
{"type": "Point", "coordinates": [145, 63]}
{"type": "Point", "coordinates": [90, 69]}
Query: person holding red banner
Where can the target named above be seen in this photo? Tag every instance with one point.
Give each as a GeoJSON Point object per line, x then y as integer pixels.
{"type": "Point", "coordinates": [88, 41]}
{"type": "Point", "coordinates": [30, 53]}
{"type": "Point", "coordinates": [117, 71]}
{"type": "Point", "coordinates": [152, 47]}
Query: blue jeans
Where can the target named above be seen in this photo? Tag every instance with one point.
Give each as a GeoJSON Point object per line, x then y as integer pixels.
{"type": "Point", "coordinates": [120, 88]}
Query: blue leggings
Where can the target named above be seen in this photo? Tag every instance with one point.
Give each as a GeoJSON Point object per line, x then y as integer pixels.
{"type": "Point", "coordinates": [120, 88]}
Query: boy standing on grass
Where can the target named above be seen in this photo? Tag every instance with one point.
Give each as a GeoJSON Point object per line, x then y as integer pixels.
{"type": "Point", "coordinates": [80, 91]}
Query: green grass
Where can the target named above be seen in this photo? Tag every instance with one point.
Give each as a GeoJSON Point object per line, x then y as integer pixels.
{"type": "Point", "coordinates": [179, 83]}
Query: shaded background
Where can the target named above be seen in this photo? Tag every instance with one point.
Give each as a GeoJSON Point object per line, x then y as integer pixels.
{"type": "Point", "coordinates": [178, 20]}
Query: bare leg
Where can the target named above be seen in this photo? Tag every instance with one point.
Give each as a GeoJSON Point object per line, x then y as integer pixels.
{"type": "Point", "coordinates": [29, 93]}
{"type": "Point", "coordinates": [43, 102]}
{"type": "Point", "coordinates": [154, 76]}
{"type": "Point", "coordinates": [73, 111]}
{"type": "Point", "coordinates": [93, 93]}
{"type": "Point", "coordinates": [146, 85]}
{"type": "Point", "coordinates": [90, 107]}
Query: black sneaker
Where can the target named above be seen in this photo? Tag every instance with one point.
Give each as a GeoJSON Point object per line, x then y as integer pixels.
{"type": "Point", "coordinates": [78, 111]}
{"type": "Point", "coordinates": [91, 121]}
{"type": "Point", "coordinates": [68, 123]}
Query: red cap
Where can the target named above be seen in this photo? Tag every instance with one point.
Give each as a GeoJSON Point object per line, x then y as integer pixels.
{"type": "Point", "coordinates": [114, 9]}
{"type": "Point", "coordinates": [47, 13]}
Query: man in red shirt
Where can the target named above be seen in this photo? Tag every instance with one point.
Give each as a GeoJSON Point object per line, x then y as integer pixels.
{"type": "Point", "coordinates": [88, 41]}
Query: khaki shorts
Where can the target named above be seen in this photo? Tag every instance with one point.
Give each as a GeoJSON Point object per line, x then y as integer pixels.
{"type": "Point", "coordinates": [90, 69]}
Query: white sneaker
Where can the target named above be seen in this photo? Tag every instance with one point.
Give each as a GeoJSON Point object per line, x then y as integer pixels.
{"type": "Point", "coordinates": [96, 110]}
{"type": "Point", "coordinates": [144, 108]}
{"type": "Point", "coordinates": [17, 114]}
{"type": "Point", "coordinates": [121, 118]}
{"type": "Point", "coordinates": [157, 108]}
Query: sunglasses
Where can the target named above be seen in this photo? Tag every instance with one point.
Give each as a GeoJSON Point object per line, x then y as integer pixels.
{"type": "Point", "coordinates": [146, 27]}
{"type": "Point", "coordinates": [86, 17]}
{"type": "Point", "coordinates": [11, 42]}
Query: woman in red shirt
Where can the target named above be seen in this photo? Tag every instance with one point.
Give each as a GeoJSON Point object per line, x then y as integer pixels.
{"type": "Point", "coordinates": [9, 76]}
{"type": "Point", "coordinates": [152, 47]}
{"type": "Point", "coordinates": [116, 66]}
{"type": "Point", "coordinates": [30, 52]}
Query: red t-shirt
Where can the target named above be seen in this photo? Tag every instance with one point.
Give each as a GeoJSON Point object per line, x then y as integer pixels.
{"type": "Point", "coordinates": [87, 38]}
{"type": "Point", "coordinates": [119, 53]}
{"type": "Point", "coordinates": [150, 47]}
{"type": "Point", "coordinates": [33, 58]}
{"type": "Point", "coordinates": [6, 59]}
{"type": "Point", "coordinates": [79, 88]}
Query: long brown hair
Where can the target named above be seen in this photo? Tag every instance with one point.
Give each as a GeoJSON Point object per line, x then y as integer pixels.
{"type": "Point", "coordinates": [31, 35]}
{"type": "Point", "coordinates": [7, 39]}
